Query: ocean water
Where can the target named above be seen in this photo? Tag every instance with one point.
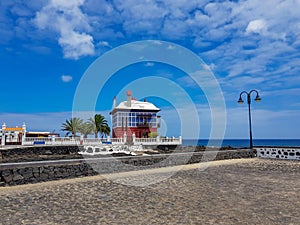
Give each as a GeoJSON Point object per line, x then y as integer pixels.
{"type": "Point", "coordinates": [242, 143]}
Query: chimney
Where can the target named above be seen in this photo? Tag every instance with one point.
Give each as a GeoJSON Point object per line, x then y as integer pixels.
{"type": "Point", "coordinates": [115, 102]}
{"type": "Point", "coordinates": [129, 94]}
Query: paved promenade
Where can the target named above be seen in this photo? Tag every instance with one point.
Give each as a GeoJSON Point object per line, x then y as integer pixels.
{"type": "Point", "coordinates": [240, 191]}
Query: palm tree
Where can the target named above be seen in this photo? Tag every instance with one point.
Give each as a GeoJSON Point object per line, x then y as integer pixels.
{"type": "Point", "coordinates": [72, 126]}
{"type": "Point", "coordinates": [102, 125]}
{"type": "Point", "coordinates": [105, 130]}
{"type": "Point", "coordinates": [92, 124]}
{"type": "Point", "coordinates": [99, 125]}
{"type": "Point", "coordinates": [86, 129]}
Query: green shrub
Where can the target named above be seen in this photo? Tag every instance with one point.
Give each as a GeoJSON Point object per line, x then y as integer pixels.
{"type": "Point", "coordinates": [153, 135]}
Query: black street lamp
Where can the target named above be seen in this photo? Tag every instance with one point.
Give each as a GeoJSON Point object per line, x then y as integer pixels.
{"type": "Point", "coordinates": [240, 101]}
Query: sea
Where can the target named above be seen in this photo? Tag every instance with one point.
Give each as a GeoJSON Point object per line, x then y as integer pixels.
{"type": "Point", "coordinates": [243, 143]}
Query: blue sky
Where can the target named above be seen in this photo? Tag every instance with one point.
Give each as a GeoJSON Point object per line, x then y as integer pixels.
{"type": "Point", "coordinates": [46, 47]}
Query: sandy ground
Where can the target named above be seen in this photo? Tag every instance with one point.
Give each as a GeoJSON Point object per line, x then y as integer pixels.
{"type": "Point", "coordinates": [240, 191]}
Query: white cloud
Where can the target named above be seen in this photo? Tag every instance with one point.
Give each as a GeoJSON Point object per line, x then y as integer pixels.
{"type": "Point", "coordinates": [76, 44]}
{"type": "Point", "coordinates": [206, 25]}
{"type": "Point", "coordinates": [149, 64]}
{"type": "Point", "coordinates": [141, 17]}
{"type": "Point", "coordinates": [156, 42]}
{"type": "Point", "coordinates": [256, 26]}
{"type": "Point", "coordinates": [241, 82]}
{"type": "Point", "coordinates": [104, 44]}
{"type": "Point", "coordinates": [211, 66]}
{"type": "Point", "coordinates": [235, 37]}
{"type": "Point", "coordinates": [171, 47]}
{"type": "Point", "coordinates": [67, 19]}
{"type": "Point", "coordinates": [65, 4]}
{"type": "Point", "coordinates": [66, 78]}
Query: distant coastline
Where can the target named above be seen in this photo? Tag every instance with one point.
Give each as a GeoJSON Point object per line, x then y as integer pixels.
{"type": "Point", "coordinates": [242, 143]}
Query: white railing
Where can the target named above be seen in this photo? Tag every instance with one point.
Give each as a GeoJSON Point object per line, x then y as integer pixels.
{"type": "Point", "coordinates": [145, 140]}
{"type": "Point", "coordinates": [117, 140]}
{"type": "Point", "coordinates": [92, 141]}
{"type": "Point", "coordinates": [171, 140]}
{"type": "Point", "coordinates": [37, 140]}
{"type": "Point", "coordinates": [65, 141]}
{"type": "Point", "coordinates": [157, 141]}
{"type": "Point", "coordinates": [99, 141]}
{"type": "Point", "coordinates": [71, 141]}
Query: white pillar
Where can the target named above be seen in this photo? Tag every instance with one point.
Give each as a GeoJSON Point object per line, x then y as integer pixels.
{"type": "Point", "coordinates": [180, 140]}
{"type": "Point", "coordinates": [133, 138]}
{"type": "Point", "coordinates": [3, 138]}
{"type": "Point", "coordinates": [23, 133]}
{"type": "Point", "coordinates": [3, 134]}
{"type": "Point", "coordinates": [158, 139]}
{"type": "Point", "coordinates": [53, 139]}
{"type": "Point", "coordinates": [81, 139]}
{"type": "Point", "coordinates": [24, 126]}
{"type": "Point", "coordinates": [125, 138]}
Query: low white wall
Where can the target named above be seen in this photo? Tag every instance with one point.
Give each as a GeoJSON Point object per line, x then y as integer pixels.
{"type": "Point", "coordinates": [99, 141]}
{"type": "Point", "coordinates": [278, 153]}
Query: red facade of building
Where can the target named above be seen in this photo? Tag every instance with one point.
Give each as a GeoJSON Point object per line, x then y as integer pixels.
{"type": "Point", "coordinates": [134, 117]}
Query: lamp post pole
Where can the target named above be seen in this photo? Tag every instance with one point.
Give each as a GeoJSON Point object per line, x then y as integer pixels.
{"type": "Point", "coordinates": [240, 101]}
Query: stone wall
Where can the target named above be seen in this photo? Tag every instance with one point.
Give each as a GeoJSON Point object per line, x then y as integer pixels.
{"type": "Point", "coordinates": [23, 173]}
{"type": "Point", "coordinates": [278, 153]}
{"type": "Point", "coordinates": [34, 153]}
